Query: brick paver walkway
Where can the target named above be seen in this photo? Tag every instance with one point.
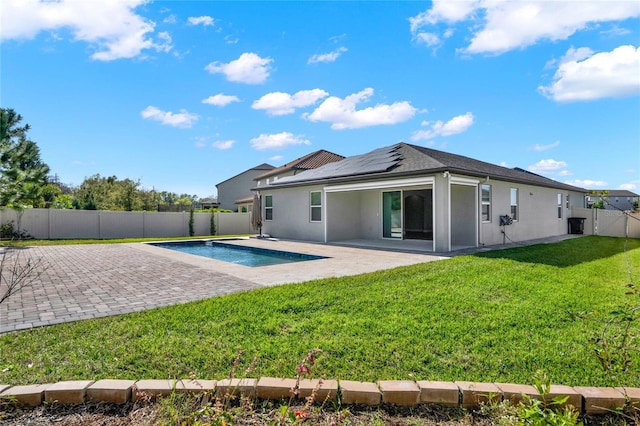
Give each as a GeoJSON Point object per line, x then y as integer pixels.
{"type": "Point", "coordinates": [90, 281]}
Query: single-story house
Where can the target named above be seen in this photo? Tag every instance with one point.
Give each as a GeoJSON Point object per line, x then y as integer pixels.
{"type": "Point", "coordinates": [421, 197]}
{"type": "Point", "coordinates": [614, 199]}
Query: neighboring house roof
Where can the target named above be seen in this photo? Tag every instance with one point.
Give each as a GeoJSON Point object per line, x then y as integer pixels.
{"type": "Point", "coordinates": [615, 193]}
{"type": "Point", "coordinates": [310, 161]}
{"type": "Point", "coordinates": [263, 166]}
{"type": "Point", "coordinates": [244, 200]}
{"type": "Point", "coordinates": [404, 159]}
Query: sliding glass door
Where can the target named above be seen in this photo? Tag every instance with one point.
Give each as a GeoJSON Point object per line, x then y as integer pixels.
{"type": "Point", "coordinates": [392, 214]}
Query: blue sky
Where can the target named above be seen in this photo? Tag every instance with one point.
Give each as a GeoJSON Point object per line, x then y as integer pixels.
{"type": "Point", "coordinates": [182, 95]}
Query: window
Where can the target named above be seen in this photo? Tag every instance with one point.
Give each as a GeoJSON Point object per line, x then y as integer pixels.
{"type": "Point", "coordinates": [316, 206]}
{"type": "Point", "coordinates": [486, 203]}
{"type": "Point", "coordinates": [559, 206]}
{"type": "Point", "coordinates": [514, 203]}
{"type": "Point", "coordinates": [268, 207]}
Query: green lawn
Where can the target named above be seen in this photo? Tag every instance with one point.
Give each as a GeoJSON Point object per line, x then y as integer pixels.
{"type": "Point", "coordinates": [497, 316]}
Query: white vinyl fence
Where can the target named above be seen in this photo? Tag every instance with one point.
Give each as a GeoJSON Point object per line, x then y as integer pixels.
{"type": "Point", "coordinates": [98, 224]}
{"type": "Point", "coordinates": [610, 223]}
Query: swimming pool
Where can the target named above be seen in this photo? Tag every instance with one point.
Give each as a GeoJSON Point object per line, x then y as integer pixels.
{"type": "Point", "coordinates": [241, 255]}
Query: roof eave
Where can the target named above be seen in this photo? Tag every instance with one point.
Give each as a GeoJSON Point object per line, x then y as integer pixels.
{"type": "Point", "coordinates": [382, 176]}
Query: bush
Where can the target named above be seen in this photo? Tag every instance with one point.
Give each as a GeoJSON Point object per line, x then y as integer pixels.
{"type": "Point", "coordinates": [9, 232]}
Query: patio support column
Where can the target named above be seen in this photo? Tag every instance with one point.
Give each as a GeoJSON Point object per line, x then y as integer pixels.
{"type": "Point", "coordinates": [442, 212]}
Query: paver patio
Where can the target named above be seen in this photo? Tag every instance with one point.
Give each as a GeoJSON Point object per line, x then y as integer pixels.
{"type": "Point", "coordinates": [91, 281]}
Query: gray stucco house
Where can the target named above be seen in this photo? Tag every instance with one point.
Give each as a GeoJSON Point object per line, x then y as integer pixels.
{"type": "Point", "coordinates": [420, 197]}
{"type": "Point", "coordinates": [239, 186]}
{"type": "Point", "coordinates": [312, 160]}
{"type": "Point", "coordinates": [615, 199]}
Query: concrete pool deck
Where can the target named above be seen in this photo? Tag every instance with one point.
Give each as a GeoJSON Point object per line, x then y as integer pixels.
{"type": "Point", "coordinates": [98, 280]}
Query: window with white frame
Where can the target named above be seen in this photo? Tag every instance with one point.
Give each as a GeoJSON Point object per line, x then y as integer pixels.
{"type": "Point", "coordinates": [268, 207]}
{"type": "Point", "coordinates": [559, 206]}
{"type": "Point", "coordinates": [514, 203]}
{"type": "Point", "coordinates": [486, 203]}
{"type": "Point", "coordinates": [315, 205]}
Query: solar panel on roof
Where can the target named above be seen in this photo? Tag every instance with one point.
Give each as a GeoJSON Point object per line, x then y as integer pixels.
{"type": "Point", "coordinates": [377, 161]}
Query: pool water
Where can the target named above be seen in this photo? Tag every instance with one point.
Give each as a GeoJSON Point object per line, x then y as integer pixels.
{"type": "Point", "coordinates": [241, 255]}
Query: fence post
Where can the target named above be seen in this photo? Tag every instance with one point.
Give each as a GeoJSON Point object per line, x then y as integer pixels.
{"type": "Point", "coordinates": [626, 225]}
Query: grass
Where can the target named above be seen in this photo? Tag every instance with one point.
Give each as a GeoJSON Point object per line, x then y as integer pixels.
{"type": "Point", "coordinates": [497, 316]}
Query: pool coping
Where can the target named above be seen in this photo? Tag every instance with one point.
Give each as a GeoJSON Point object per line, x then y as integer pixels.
{"type": "Point", "coordinates": [339, 261]}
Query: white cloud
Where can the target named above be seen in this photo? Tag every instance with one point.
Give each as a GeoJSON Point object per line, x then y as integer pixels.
{"type": "Point", "coordinates": [249, 68]}
{"type": "Point", "coordinates": [430, 39]}
{"type": "Point", "coordinates": [279, 103]}
{"type": "Point", "coordinates": [231, 39]}
{"type": "Point", "coordinates": [171, 19]}
{"type": "Point", "coordinates": [615, 31]}
{"type": "Point", "coordinates": [182, 119]}
{"type": "Point", "coordinates": [547, 166]}
{"type": "Point", "coordinates": [443, 11]}
{"type": "Point", "coordinates": [112, 28]}
{"type": "Point", "coordinates": [327, 57]}
{"type": "Point", "coordinates": [587, 183]}
{"type": "Point", "coordinates": [631, 186]}
{"type": "Point", "coordinates": [276, 158]}
{"type": "Point", "coordinates": [583, 75]}
{"type": "Point", "coordinates": [206, 21]}
{"type": "Point", "coordinates": [342, 113]}
{"type": "Point", "coordinates": [220, 100]}
{"type": "Point", "coordinates": [501, 26]}
{"type": "Point", "coordinates": [222, 145]}
{"type": "Point", "coordinates": [458, 124]}
{"type": "Point", "coordinates": [278, 141]}
{"type": "Point", "coordinates": [539, 148]}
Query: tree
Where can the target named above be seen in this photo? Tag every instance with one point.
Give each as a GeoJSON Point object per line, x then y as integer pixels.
{"type": "Point", "coordinates": [22, 173]}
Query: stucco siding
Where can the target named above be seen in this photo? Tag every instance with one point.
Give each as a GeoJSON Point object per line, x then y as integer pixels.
{"type": "Point", "coordinates": [537, 213]}
{"type": "Point", "coordinates": [464, 215]}
{"type": "Point", "coordinates": [291, 215]}
{"type": "Point", "coordinates": [236, 188]}
{"type": "Point", "coordinates": [343, 211]}
{"type": "Point", "coordinates": [441, 206]}
{"type": "Point", "coordinates": [370, 214]}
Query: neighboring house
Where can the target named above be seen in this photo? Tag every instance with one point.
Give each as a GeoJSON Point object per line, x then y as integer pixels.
{"type": "Point", "coordinates": [239, 186]}
{"type": "Point", "coordinates": [615, 199]}
{"type": "Point", "coordinates": [307, 162]}
{"type": "Point", "coordinates": [417, 196]}
{"type": "Point", "coordinates": [310, 161]}
{"type": "Point", "coordinates": [208, 203]}
{"type": "Point", "coordinates": [245, 204]}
